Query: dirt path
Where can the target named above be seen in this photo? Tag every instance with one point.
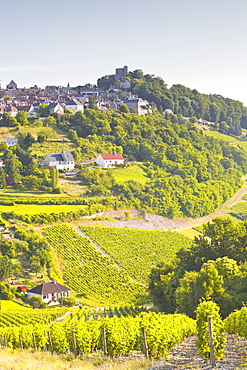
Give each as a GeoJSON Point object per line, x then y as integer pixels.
{"type": "Point", "coordinates": [156, 222]}
{"type": "Point", "coordinates": [186, 356]}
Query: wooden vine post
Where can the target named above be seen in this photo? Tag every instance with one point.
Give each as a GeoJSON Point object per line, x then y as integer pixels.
{"type": "Point", "coordinates": [74, 343]}
{"type": "Point", "coordinates": [144, 341]}
{"type": "Point", "coordinates": [20, 341]}
{"type": "Point", "coordinates": [104, 340]}
{"type": "Point", "coordinates": [50, 342]}
{"type": "Point", "coordinates": [34, 342]}
{"type": "Point", "coordinates": [211, 341]}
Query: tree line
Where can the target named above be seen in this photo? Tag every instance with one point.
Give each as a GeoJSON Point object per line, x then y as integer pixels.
{"type": "Point", "coordinates": [214, 267]}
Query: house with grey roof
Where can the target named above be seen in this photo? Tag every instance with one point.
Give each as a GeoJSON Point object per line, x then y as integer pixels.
{"type": "Point", "coordinates": [55, 108]}
{"type": "Point", "coordinates": [11, 141]}
{"type": "Point", "coordinates": [12, 85]}
{"type": "Point", "coordinates": [75, 105]}
{"type": "Point", "coordinates": [138, 105]}
{"type": "Point", "coordinates": [50, 293]}
{"type": "Point", "coordinates": [63, 161]}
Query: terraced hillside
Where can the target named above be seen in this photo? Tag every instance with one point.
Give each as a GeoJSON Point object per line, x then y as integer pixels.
{"type": "Point", "coordinates": [88, 271]}
{"type": "Point", "coordinates": [137, 250]}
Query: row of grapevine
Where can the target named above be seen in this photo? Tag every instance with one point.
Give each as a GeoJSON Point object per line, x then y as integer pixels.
{"type": "Point", "coordinates": [122, 335]}
{"type": "Point", "coordinates": [30, 317]}
{"type": "Point", "coordinates": [203, 312]}
{"type": "Point", "coordinates": [88, 314]}
{"type": "Point", "coordinates": [236, 322]}
{"type": "Point", "coordinates": [12, 200]}
{"type": "Point", "coordinates": [144, 249]}
{"type": "Point", "coordinates": [89, 272]}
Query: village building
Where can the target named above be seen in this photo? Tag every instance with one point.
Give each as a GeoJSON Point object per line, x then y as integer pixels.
{"type": "Point", "coordinates": [63, 161]}
{"type": "Point", "coordinates": [108, 160]}
{"type": "Point", "coordinates": [138, 105]}
{"type": "Point", "coordinates": [11, 141]}
{"type": "Point", "coordinates": [55, 108]}
{"type": "Point", "coordinates": [167, 111]}
{"type": "Point", "coordinates": [50, 293]}
{"type": "Point", "coordinates": [74, 105]}
{"type": "Point", "coordinates": [12, 85]}
{"type": "Point", "coordinates": [11, 110]}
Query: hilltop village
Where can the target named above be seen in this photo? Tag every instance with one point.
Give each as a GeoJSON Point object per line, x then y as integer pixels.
{"type": "Point", "coordinates": [59, 98]}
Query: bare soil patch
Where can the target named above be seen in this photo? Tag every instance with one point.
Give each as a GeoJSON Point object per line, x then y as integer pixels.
{"type": "Point", "coordinates": [148, 221]}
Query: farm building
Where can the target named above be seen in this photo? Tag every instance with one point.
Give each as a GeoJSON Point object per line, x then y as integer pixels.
{"type": "Point", "coordinates": [107, 160]}
{"type": "Point", "coordinates": [50, 292]}
{"type": "Point", "coordinates": [63, 161]}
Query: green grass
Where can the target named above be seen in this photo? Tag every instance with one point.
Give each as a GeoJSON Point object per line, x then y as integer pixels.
{"type": "Point", "coordinates": [51, 147]}
{"type": "Point", "coordinates": [242, 144]}
{"type": "Point", "coordinates": [189, 233]}
{"type": "Point", "coordinates": [219, 135]}
{"type": "Point", "coordinates": [17, 193]}
{"type": "Point", "coordinates": [239, 210]}
{"type": "Point", "coordinates": [11, 305]}
{"type": "Point", "coordinates": [138, 251]}
{"type": "Point", "coordinates": [134, 173]}
{"type": "Point", "coordinates": [24, 209]}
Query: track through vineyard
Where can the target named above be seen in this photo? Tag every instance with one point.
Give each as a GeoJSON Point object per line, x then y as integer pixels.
{"type": "Point", "coordinates": [156, 222]}
{"type": "Point", "coordinates": [104, 252]}
{"type": "Point", "coordinates": [186, 356]}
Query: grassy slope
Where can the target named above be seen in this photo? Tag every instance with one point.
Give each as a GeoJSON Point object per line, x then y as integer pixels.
{"type": "Point", "coordinates": [53, 145]}
{"type": "Point", "coordinates": [219, 135]}
{"type": "Point", "coordinates": [25, 209]}
{"type": "Point", "coordinates": [27, 360]}
{"type": "Point", "coordinates": [138, 250]}
{"type": "Point", "coordinates": [11, 305]}
{"type": "Point", "coordinates": [11, 192]}
{"type": "Point", "coordinates": [239, 210]}
{"type": "Point", "coordinates": [134, 173]}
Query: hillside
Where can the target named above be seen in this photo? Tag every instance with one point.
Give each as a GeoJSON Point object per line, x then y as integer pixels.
{"type": "Point", "coordinates": [138, 251]}
{"type": "Point", "coordinates": [93, 275]}
{"type": "Point", "coordinates": [172, 169]}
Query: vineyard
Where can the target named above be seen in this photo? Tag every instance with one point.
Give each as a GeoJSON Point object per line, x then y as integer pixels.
{"type": "Point", "coordinates": [236, 322]}
{"type": "Point", "coordinates": [29, 317]}
{"type": "Point", "coordinates": [121, 335]}
{"type": "Point", "coordinates": [97, 313]}
{"type": "Point", "coordinates": [90, 273]}
{"type": "Point", "coordinates": [137, 250]}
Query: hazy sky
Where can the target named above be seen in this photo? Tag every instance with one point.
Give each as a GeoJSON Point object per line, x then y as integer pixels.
{"type": "Point", "coordinates": [198, 43]}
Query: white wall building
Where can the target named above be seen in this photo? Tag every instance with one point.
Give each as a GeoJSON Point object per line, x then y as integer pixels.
{"type": "Point", "coordinates": [11, 141]}
{"type": "Point", "coordinates": [50, 292]}
{"type": "Point", "coordinates": [63, 161]}
{"type": "Point", "coordinates": [75, 105]}
{"type": "Point", "coordinates": [107, 160]}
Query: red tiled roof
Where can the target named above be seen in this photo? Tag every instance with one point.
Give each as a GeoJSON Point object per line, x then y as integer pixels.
{"type": "Point", "coordinates": [111, 156]}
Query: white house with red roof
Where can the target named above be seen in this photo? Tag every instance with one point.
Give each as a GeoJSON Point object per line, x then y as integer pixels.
{"type": "Point", "coordinates": [106, 160]}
